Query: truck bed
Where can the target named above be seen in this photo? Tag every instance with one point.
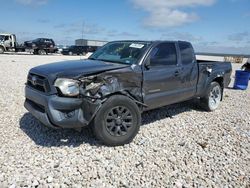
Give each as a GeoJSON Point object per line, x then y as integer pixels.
{"type": "Point", "coordinates": [217, 68]}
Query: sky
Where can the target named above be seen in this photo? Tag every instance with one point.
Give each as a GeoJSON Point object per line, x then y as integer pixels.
{"type": "Point", "coordinates": [217, 26]}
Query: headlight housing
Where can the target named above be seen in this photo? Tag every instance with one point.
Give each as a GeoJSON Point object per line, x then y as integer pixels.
{"type": "Point", "coordinates": [68, 87]}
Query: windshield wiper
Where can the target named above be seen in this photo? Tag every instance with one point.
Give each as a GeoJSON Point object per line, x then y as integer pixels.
{"type": "Point", "coordinates": [107, 60]}
{"type": "Point", "coordinates": [112, 61]}
{"type": "Point", "coordinates": [91, 58]}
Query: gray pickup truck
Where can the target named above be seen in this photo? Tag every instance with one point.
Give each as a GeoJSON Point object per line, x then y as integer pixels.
{"type": "Point", "coordinates": [109, 90]}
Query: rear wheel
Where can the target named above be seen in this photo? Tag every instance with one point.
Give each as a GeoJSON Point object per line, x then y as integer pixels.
{"type": "Point", "coordinates": [213, 98]}
{"type": "Point", "coordinates": [70, 53]}
{"type": "Point", "coordinates": [118, 121]}
{"type": "Point", "coordinates": [1, 50]}
{"type": "Point", "coordinates": [42, 52]}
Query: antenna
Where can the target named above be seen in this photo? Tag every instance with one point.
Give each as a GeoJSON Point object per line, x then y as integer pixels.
{"type": "Point", "coordinates": [82, 29]}
{"type": "Point", "coordinates": [83, 24]}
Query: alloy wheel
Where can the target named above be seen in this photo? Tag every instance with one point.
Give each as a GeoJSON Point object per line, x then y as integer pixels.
{"type": "Point", "coordinates": [119, 120]}
{"type": "Point", "coordinates": [215, 97]}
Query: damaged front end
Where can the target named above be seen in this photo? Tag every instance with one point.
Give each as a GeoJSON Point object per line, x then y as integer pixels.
{"type": "Point", "coordinates": [78, 99]}
{"type": "Point", "coordinates": [97, 87]}
{"type": "Point", "coordinates": [94, 90]}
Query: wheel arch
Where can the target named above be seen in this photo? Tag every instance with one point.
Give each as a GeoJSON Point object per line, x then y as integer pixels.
{"type": "Point", "coordinates": [2, 46]}
{"type": "Point", "coordinates": [127, 94]}
{"type": "Point", "coordinates": [220, 81]}
{"type": "Point", "coordinates": [95, 107]}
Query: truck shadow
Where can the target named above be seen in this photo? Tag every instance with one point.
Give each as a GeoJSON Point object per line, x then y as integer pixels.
{"type": "Point", "coordinates": [47, 137]}
{"type": "Point", "coordinates": [170, 111]}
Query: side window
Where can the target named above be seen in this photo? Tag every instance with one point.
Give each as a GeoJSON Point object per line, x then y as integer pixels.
{"type": "Point", "coordinates": [187, 53]}
{"type": "Point", "coordinates": [6, 38]}
{"type": "Point", "coordinates": [164, 54]}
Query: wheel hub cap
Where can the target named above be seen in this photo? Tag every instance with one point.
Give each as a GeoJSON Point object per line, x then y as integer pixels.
{"type": "Point", "coordinates": [215, 97]}
{"type": "Point", "coordinates": [119, 120]}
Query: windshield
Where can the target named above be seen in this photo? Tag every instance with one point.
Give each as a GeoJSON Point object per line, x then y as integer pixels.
{"type": "Point", "coordinates": [121, 52]}
{"type": "Point", "coordinates": [36, 40]}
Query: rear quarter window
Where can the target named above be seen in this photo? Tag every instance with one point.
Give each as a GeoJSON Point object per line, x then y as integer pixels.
{"type": "Point", "coordinates": [187, 53]}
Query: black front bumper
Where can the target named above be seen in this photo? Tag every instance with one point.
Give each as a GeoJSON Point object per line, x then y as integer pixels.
{"type": "Point", "coordinates": [54, 111]}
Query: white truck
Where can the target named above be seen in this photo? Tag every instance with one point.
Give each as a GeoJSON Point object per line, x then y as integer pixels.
{"type": "Point", "coordinates": [7, 42]}
{"type": "Point", "coordinates": [41, 46]}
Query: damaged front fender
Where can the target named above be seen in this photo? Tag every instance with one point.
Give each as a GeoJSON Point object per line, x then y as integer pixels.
{"type": "Point", "coordinates": [96, 89]}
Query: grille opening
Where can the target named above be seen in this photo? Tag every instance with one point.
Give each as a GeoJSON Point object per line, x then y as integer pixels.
{"type": "Point", "coordinates": [36, 106]}
{"type": "Point", "coordinates": [40, 83]}
{"type": "Point", "coordinates": [38, 76]}
{"type": "Point", "coordinates": [37, 87]}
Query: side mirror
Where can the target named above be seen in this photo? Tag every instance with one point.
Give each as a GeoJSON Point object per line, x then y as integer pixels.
{"type": "Point", "coordinates": [147, 63]}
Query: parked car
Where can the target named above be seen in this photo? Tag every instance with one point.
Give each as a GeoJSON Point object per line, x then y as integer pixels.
{"type": "Point", "coordinates": [61, 47]}
{"type": "Point", "coordinates": [74, 50]}
{"type": "Point", "coordinates": [111, 89]}
{"type": "Point", "coordinates": [41, 46]}
{"type": "Point", "coordinates": [78, 50]}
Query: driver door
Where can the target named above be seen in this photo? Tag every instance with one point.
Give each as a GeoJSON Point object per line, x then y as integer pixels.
{"type": "Point", "coordinates": [162, 82]}
{"type": "Point", "coordinates": [7, 41]}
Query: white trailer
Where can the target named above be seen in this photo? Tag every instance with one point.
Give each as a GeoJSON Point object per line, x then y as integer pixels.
{"type": "Point", "coordinates": [86, 42]}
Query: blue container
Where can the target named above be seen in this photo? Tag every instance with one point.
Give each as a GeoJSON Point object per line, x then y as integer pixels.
{"type": "Point", "coordinates": [241, 80]}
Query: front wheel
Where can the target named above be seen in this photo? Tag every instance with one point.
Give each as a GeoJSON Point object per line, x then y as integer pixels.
{"type": "Point", "coordinates": [118, 121]}
{"type": "Point", "coordinates": [1, 50]}
{"type": "Point", "coordinates": [213, 98]}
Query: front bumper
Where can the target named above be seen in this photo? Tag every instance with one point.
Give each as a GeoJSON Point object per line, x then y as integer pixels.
{"type": "Point", "coordinates": [54, 111]}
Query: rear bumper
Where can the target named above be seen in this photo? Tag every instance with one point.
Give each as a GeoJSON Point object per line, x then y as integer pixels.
{"type": "Point", "coordinates": [54, 111]}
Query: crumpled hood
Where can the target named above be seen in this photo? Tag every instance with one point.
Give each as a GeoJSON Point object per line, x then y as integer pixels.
{"type": "Point", "coordinates": [74, 69]}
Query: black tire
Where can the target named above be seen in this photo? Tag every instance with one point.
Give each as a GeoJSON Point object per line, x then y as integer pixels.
{"type": "Point", "coordinates": [1, 50]}
{"type": "Point", "coordinates": [213, 97]}
{"type": "Point", "coordinates": [113, 129]}
{"type": "Point", "coordinates": [35, 52]}
{"type": "Point", "coordinates": [41, 52]}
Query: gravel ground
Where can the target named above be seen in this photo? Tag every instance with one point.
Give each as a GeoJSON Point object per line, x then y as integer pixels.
{"type": "Point", "coordinates": [178, 146]}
